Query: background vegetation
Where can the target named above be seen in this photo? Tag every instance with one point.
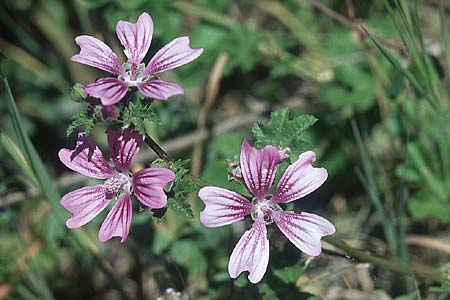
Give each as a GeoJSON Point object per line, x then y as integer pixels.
{"type": "Point", "coordinates": [374, 73]}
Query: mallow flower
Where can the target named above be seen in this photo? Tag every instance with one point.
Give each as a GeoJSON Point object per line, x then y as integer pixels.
{"type": "Point", "coordinates": [87, 202]}
{"type": "Point", "coordinates": [136, 39]}
{"type": "Point", "coordinates": [258, 168]}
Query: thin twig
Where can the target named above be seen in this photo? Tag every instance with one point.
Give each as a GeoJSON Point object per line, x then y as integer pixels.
{"type": "Point", "coordinates": [212, 90]}
{"type": "Point", "coordinates": [381, 262]}
{"type": "Point", "coordinates": [157, 148]}
{"type": "Point", "coordinates": [353, 25]}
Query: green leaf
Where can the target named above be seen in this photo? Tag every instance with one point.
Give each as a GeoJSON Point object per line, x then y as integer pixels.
{"type": "Point", "coordinates": [82, 121]}
{"type": "Point", "coordinates": [46, 185]}
{"type": "Point", "coordinates": [282, 131]}
{"type": "Point", "coordinates": [187, 254]}
{"type": "Point", "coordinates": [18, 157]}
{"type": "Point", "coordinates": [180, 188]}
{"type": "Point", "coordinates": [290, 274]}
{"type": "Point", "coordinates": [137, 113]}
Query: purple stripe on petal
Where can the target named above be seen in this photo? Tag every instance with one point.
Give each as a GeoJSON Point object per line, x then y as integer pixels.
{"type": "Point", "coordinates": [258, 168]}
{"type": "Point", "coordinates": [300, 179]}
{"type": "Point", "coordinates": [86, 159]}
{"type": "Point", "coordinates": [95, 53]}
{"type": "Point", "coordinates": [135, 38]}
{"type": "Point", "coordinates": [118, 220]}
{"type": "Point", "coordinates": [159, 89]}
{"type": "Point", "coordinates": [171, 56]}
{"type": "Point", "coordinates": [85, 204]}
{"type": "Point", "coordinates": [304, 230]}
{"type": "Point", "coordinates": [223, 207]}
{"type": "Point", "coordinates": [123, 146]}
{"type": "Point", "coordinates": [251, 254]}
{"type": "Point", "coordinates": [148, 186]}
{"type": "Point", "coordinates": [108, 90]}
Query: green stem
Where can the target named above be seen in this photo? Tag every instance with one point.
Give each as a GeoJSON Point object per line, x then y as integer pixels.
{"type": "Point", "coordinates": [381, 262]}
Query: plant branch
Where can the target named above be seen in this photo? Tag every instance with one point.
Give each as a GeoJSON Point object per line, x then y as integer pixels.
{"type": "Point", "coordinates": [157, 148]}
{"type": "Point", "coordinates": [363, 256]}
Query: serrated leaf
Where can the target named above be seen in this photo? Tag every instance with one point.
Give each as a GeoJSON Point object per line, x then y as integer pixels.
{"type": "Point", "coordinates": [281, 131]}
{"type": "Point", "coordinates": [82, 121]}
{"type": "Point", "coordinates": [180, 188]}
{"type": "Point", "coordinates": [137, 113]}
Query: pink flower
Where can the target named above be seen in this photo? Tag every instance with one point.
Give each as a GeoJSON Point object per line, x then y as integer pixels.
{"type": "Point", "coordinates": [135, 38]}
{"type": "Point", "coordinates": [87, 202]}
{"type": "Point", "coordinates": [258, 168]}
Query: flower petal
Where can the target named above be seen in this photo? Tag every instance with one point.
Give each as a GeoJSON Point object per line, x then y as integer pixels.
{"type": "Point", "coordinates": [108, 90]}
{"type": "Point", "coordinates": [148, 186]}
{"type": "Point", "coordinates": [171, 56]}
{"type": "Point", "coordinates": [300, 179]}
{"type": "Point", "coordinates": [118, 220]}
{"type": "Point", "coordinates": [159, 89]}
{"type": "Point", "coordinates": [223, 207]}
{"type": "Point", "coordinates": [304, 230]}
{"type": "Point", "coordinates": [86, 159]}
{"type": "Point", "coordinates": [85, 204]}
{"type": "Point", "coordinates": [135, 38]}
{"type": "Point", "coordinates": [251, 254]}
{"type": "Point", "coordinates": [95, 53]}
{"type": "Point", "coordinates": [123, 146]}
{"type": "Point", "coordinates": [258, 168]}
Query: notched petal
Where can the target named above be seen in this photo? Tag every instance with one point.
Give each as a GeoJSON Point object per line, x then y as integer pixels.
{"type": "Point", "coordinates": [85, 204]}
{"type": "Point", "coordinates": [251, 254]}
{"type": "Point", "coordinates": [159, 89]}
{"type": "Point", "coordinates": [300, 179]}
{"type": "Point", "coordinates": [95, 53]}
{"type": "Point", "coordinates": [148, 186]}
{"type": "Point", "coordinates": [118, 220]}
{"type": "Point", "coordinates": [123, 147]}
{"type": "Point", "coordinates": [135, 38]}
{"type": "Point", "coordinates": [86, 159]}
{"type": "Point", "coordinates": [109, 90]}
{"type": "Point", "coordinates": [304, 230]}
{"type": "Point", "coordinates": [259, 167]}
{"type": "Point", "coordinates": [171, 56]}
{"type": "Point", "coordinates": [223, 207]}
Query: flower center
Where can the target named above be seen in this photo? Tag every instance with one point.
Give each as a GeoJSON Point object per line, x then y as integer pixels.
{"type": "Point", "coordinates": [264, 209]}
{"type": "Point", "coordinates": [132, 74]}
{"type": "Point", "coordinates": [114, 184]}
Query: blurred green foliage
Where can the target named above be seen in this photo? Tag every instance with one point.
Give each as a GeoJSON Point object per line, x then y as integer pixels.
{"type": "Point", "coordinates": [383, 133]}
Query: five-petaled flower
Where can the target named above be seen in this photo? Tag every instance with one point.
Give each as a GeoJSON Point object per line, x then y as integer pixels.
{"type": "Point", "coordinates": [87, 202]}
{"type": "Point", "coordinates": [136, 39]}
{"type": "Point", "coordinates": [258, 167]}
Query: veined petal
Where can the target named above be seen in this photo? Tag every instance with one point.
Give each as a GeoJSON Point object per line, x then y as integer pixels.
{"type": "Point", "coordinates": [148, 186]}
{"type": "Point", "coordinates": [300, 179]}
{"type": "Point", "coordinates": [85, 204]}
{"type": "Point", "coordinates": [123, 146]}
{"type": "Point", "coordinates": [171, 56]}
{"type": "Point", "coordinates": [259, 167]}
{"type": "Point", "coordinates": [95, 53]}
{"type": "Point", "coordinates": [223, 207]}
{"type": "Point", "coordinates": [159, 89]}
{"type": "Point", "coordinates": [304, 230]}
{"type": "Point", "coordinates": [86, 159]}
{"type": "Point", "coordinates": [118, 220]}
{"type": "Point", "coordinates": [135, 38]}
{"type": "Point", "coordinates": [251, 254]}
{"type": "Point", "coordinates": [109, 90]}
